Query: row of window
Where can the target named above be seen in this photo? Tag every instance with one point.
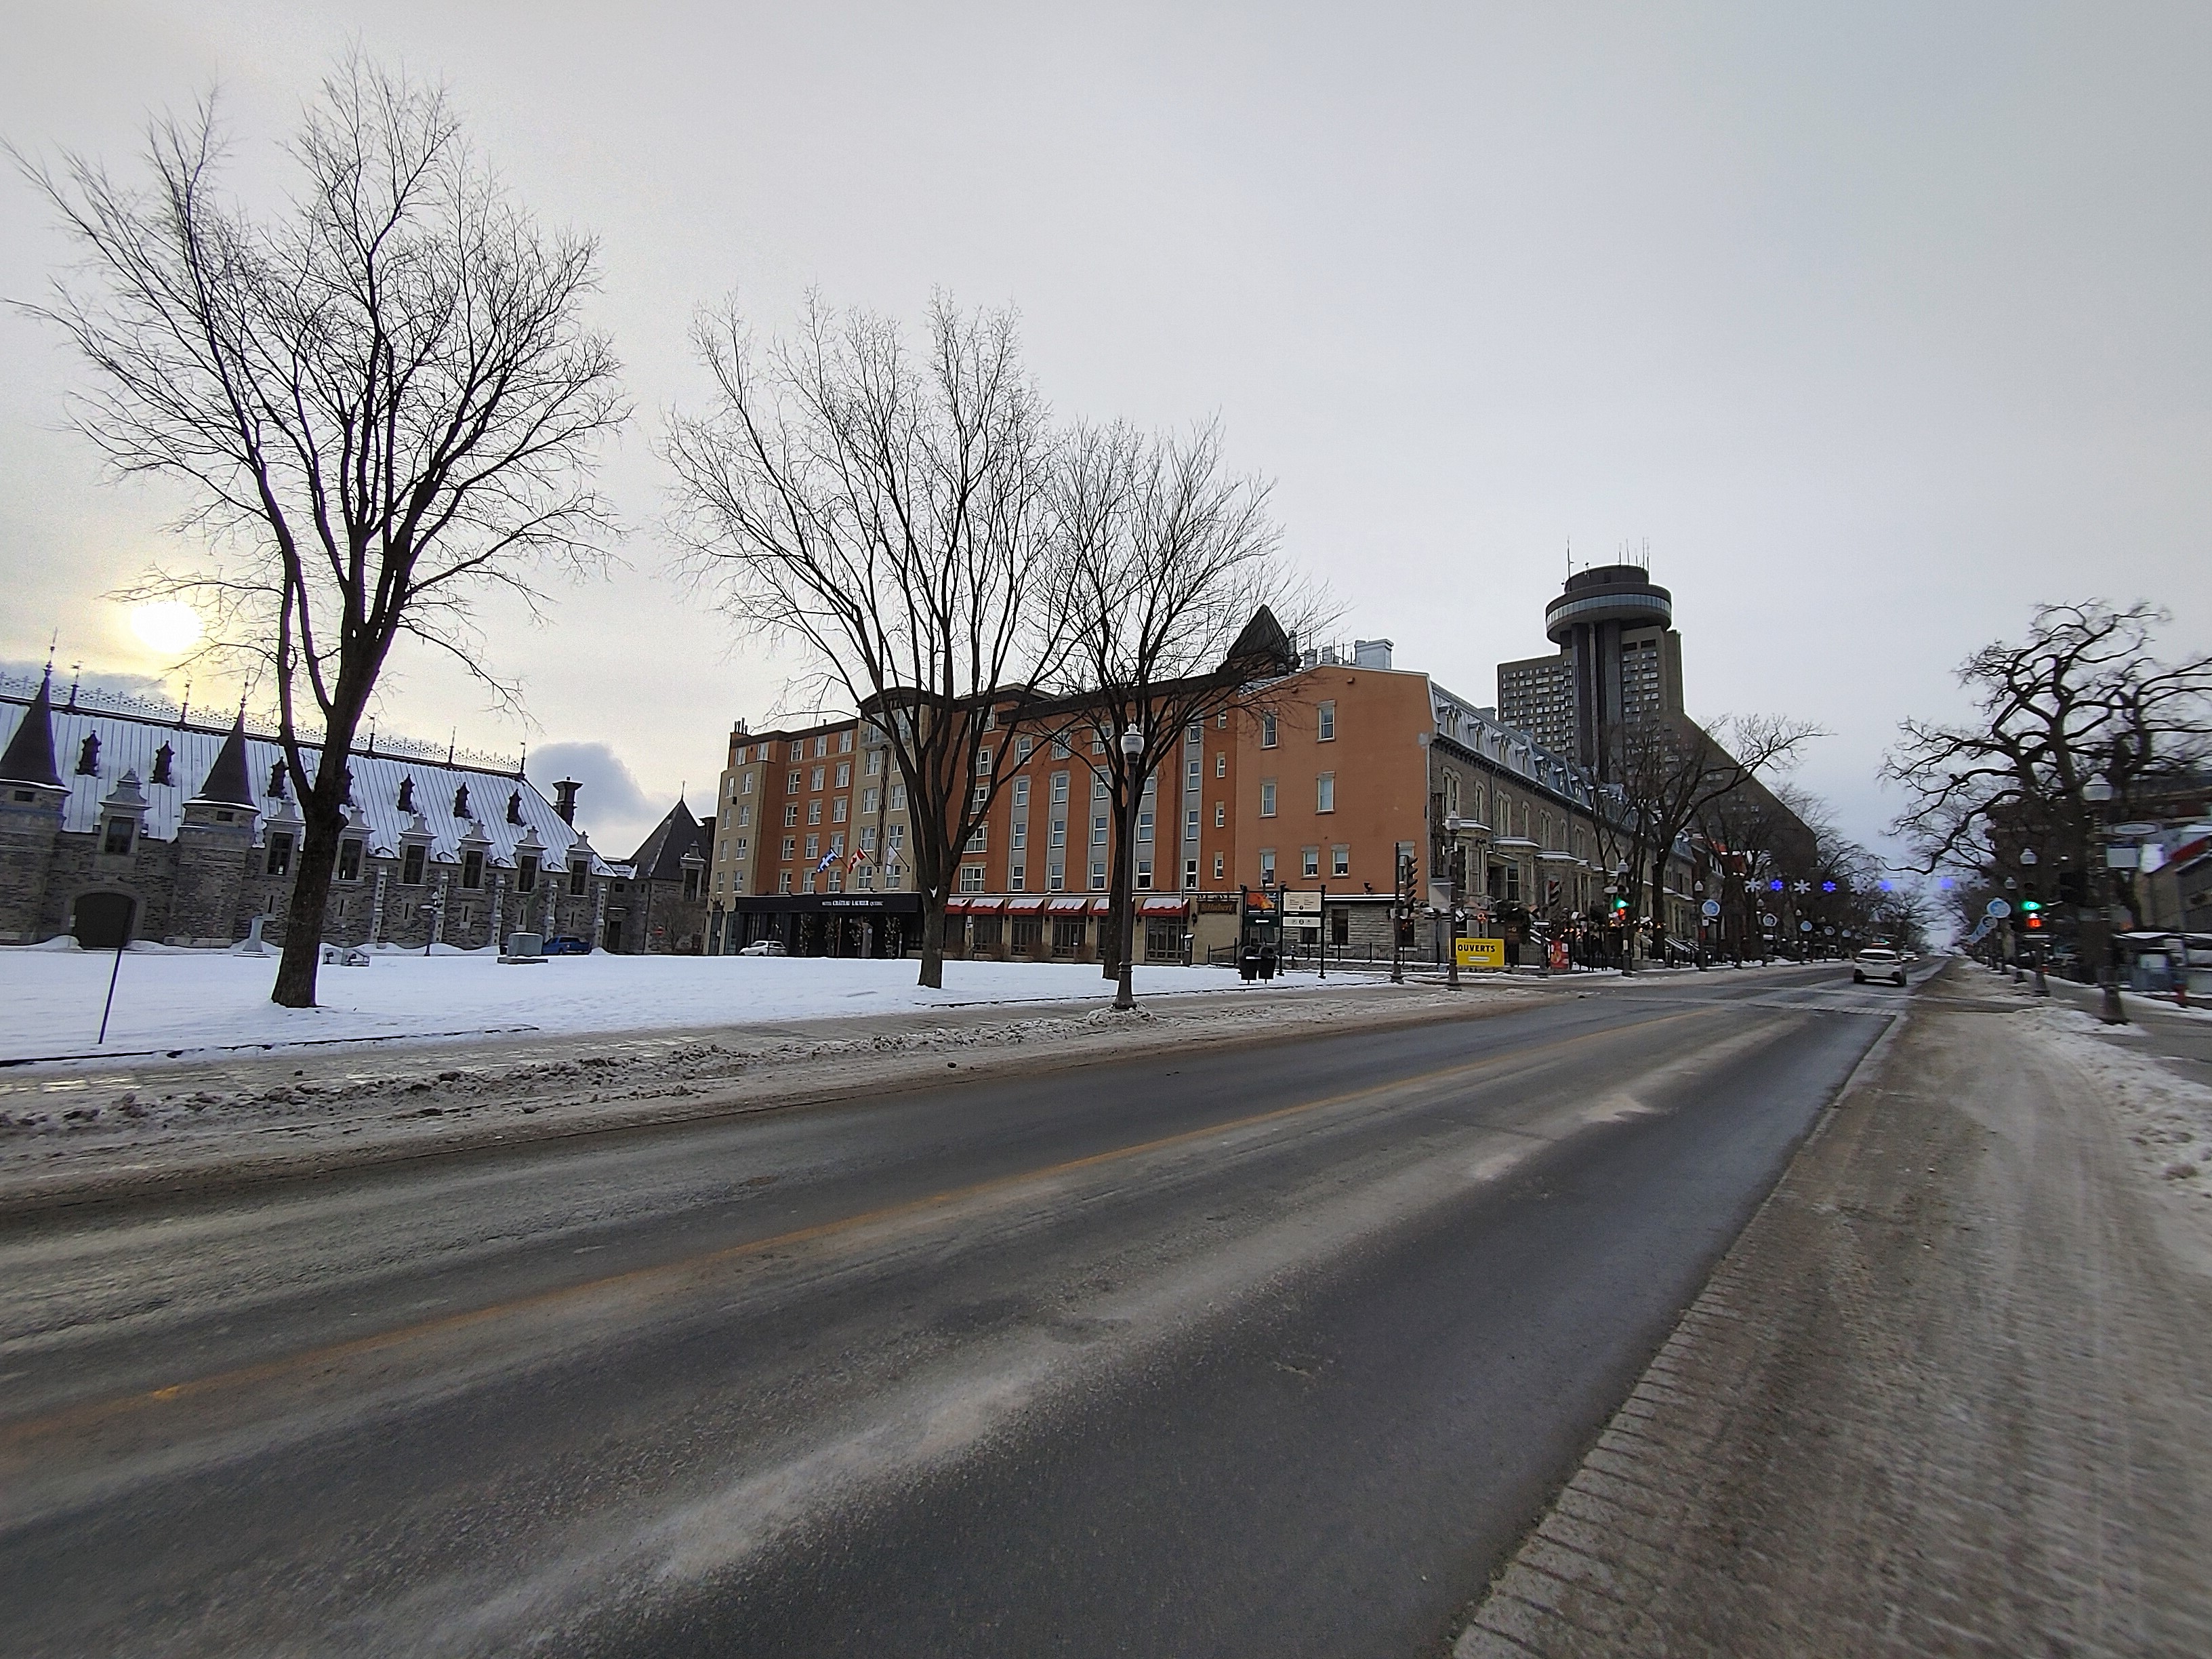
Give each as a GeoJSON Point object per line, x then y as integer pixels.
{"type": "Point", "coordinates": [1324, 797]}
{"type": "Point", "coordinates": [1324, 726]}
{"type": "Point", "coordinates": [1340, 863]}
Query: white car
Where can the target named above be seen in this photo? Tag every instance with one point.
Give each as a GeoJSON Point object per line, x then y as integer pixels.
{"type": "Point", "coordinates": [1877, 962]}
{"type": "Point", "coordinates": [765, 947]}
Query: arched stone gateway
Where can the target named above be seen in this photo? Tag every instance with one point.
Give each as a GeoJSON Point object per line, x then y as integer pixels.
{"type": "Point", "coordinates": [103, 920]}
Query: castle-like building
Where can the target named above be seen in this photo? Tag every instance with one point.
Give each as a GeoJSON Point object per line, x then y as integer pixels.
{"type": "Point", "coordinates": [122, 819]}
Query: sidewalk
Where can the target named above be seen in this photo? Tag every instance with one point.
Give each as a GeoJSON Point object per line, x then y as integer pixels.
{"type": "Point", "coordinates": [1946, 1395]}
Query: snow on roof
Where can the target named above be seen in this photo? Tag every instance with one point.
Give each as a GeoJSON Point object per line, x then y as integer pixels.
{"type": "Point", "coordinates": [130, 744]}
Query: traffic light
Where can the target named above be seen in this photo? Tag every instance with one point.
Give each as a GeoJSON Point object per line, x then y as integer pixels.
{"type": "Point", "coordinates": [2034, 921]}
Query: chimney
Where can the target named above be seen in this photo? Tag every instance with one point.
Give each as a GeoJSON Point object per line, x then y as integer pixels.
{"type": "Point", "coordinates": [564, 798]}
{"type": "Point", "coordinates": [1371, 654]}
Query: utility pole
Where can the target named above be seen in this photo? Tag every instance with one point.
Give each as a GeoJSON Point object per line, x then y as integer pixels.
{"type": "Point", "coordinates": [1402, 884]}
{"type": "Point", "coordinates": [2098, 792]}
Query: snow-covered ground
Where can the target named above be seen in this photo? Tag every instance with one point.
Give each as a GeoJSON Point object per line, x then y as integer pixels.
{"type": "Point", "coordinates": [2167, 1117]}
{"type": "Point", "coordinates": [51, 998]}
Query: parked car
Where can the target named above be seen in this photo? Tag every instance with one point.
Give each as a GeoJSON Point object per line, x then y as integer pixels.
{"type": "Point", "coordinates": [568, 944]}
{"type": "Point", "coordinates": [765, 947]}
{"type": "Point", "coordinates": [1877, 962]}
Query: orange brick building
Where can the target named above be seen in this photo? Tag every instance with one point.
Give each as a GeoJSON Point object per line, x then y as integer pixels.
{"type": "Point", "coordinates": [1314, 783]}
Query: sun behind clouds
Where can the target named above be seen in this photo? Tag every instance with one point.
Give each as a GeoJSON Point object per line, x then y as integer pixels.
{"type": "Point", "coordinates": [168, 626]}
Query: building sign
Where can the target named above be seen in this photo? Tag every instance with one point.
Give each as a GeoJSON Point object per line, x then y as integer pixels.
{"type": "Point", "coordinates": [1297, 903]}
{"type": "Point", "coordinates": [1481, 952]}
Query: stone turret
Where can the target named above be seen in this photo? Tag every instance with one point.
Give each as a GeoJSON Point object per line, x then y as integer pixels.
{"type": "Point", "coordinates": [31, 796]}
{"type": "Point", "coordinates": [214, 845]}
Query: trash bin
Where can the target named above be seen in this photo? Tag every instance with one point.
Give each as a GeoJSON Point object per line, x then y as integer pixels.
{"type": "Point", "coordinates": [1267, 962]}
{"type": "Point", "coordinates": [1247, 963]}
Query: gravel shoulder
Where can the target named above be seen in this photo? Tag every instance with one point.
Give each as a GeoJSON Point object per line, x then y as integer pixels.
{"type": "Point", "coordinates": [1946, 1394]}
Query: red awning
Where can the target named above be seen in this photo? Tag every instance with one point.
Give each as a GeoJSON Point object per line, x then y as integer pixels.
{"type": "Point", "coordinates": [1036, 904]}
{"type": "Point", "coordinates": [1102, 907]}
{"type": "Point", "coordinates": [1163, 907]}
{"type": "Point", "coordinates": [1064, 906]}
{"type": "Point", "coordinates": [978, 906]}
{"type": "Point", "coordinates": [956, 907]}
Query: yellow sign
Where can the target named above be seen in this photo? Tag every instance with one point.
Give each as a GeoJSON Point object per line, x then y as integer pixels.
{"type": "Point", "coordinates": [1482, 953]}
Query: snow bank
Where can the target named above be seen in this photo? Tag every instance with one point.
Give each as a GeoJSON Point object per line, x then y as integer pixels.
{"type": "Point", "coordinates": [2167, 1117]}
{"type": "Point", "coordinates": [50, 1001]}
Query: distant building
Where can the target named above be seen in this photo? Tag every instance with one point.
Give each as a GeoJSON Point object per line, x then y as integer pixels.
{"type": "Point", "coordinates": [1619, 661]}
{"type": "Point", "coordinates": [665, 889]}
{"type": "Point", "coordinates": [123, 818]}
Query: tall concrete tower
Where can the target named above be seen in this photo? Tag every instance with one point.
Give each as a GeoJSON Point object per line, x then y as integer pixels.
{"type": "Point", "coordinates": [1619, 661]}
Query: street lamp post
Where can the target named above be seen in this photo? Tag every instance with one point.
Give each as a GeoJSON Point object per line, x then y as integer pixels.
{"type": "Point", "coordinates": [1457, 866]}
{"type": "Point", "coordinates": [2098, 792]}
{"type": "Point", "coordinates": [1132, 745]}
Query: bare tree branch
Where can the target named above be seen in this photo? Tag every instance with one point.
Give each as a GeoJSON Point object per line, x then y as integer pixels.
{"type": "Point", "coordinates": [384, 401]}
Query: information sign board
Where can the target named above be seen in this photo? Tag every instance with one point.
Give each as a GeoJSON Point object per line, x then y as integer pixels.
{"type": "Point", "coordinates": [1482, 953]}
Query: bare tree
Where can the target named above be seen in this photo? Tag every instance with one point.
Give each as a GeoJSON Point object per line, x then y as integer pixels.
{"type": "Point", "coordinates": [2080, 697]}
{"type": "Point", "coordinates": [386, 398]}
{"type": "Point", "coordinates": [1178, 605]}
{"type": "Point", "coordinates": [1670, 770]}
{"type": "Point", "coordinates": [887, 512]}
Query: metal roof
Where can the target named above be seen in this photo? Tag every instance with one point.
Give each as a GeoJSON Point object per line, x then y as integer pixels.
{"type": "Point", "coordinates": [131, 744]}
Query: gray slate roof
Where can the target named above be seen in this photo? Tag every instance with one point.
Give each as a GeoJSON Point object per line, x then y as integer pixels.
{"type": "Point", "coordinates": [29, 756]}
{"type": "Point", "coordinates": [130, 744]}
{"type": "Point", "coordinates": [661, 858]}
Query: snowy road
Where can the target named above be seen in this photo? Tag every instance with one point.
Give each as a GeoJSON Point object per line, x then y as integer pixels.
{"type": "Point", "coordinates": [1263, 1350]}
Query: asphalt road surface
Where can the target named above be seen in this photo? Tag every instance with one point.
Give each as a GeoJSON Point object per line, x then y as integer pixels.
{"type": "Point", "coordinates": [1265, 1350]}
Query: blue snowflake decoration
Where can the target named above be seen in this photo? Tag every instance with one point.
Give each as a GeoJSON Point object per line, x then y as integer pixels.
{"type": "Point", "coordinates": [1775, 886]}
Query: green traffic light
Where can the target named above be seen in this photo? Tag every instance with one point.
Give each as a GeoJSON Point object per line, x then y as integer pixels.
{"type": "Point", "coordinates": [2031, 905]}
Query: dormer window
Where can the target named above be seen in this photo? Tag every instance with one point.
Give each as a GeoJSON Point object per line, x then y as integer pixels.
{"type": "Point", "coordinates": [410, 865]}
{"type": "Point", "coordinates": [472, 869]}
{"type": "Point", "coordinates": [349, 860]}
{"type": "Point", "coordinates": [461, 802]}
{"type": "Point", "coordinates": [87, 758]}
{"type": "Point", "coordinates": [122, 834]}
{"type": "Point", "coordinates": [407, 794]}
{"type": "Point", "coordinates": [579, 876]}
{"type": "Point", "coordinates": [162, 756]}
{"type": "Point", "coordinates": [526, 873]}
{"type": "Point", "coordinates": [280, 854]}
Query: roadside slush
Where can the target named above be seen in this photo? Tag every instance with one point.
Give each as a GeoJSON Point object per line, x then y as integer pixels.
{"type": "Point", "coordinates": [70, 1135]}
{"type": "Point", "coordinates": [1945, 1393]}
{"type": "Point", "coordinates": [88, 1134]}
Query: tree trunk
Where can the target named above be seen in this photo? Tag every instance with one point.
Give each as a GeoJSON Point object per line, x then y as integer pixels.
{"type": "Point", "coordinates": [1120, 880]}
{"type": "Point", "coordinates": [311, 897]}
{"type": "Point", "coordinates": [932, 940]}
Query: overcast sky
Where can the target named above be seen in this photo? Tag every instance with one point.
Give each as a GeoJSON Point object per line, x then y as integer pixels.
{"type": "Point", "coordinates": [1878, 323]}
